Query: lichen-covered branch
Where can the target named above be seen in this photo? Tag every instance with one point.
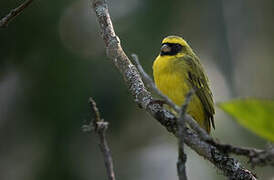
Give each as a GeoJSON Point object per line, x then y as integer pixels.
{"type": "Point", "coordinates": [100, 126]}
{"type": "Point", "coordinates": [257, 157]}
{"type": "Point", "coordinates": [13, 13]}
{"type": "Point", "coordinates": [229, 166]}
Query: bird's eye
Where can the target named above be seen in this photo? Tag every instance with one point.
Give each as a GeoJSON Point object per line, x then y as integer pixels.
{"type": "Point", "coordinates": [177, 47]}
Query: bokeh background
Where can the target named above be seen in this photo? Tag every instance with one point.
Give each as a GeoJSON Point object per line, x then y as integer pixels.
{"type": "Point", "coordinates": [52, 59]}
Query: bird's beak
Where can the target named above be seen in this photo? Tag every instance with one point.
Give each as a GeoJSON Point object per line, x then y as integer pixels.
{"type": "Point", "coordinates": [165, 48]}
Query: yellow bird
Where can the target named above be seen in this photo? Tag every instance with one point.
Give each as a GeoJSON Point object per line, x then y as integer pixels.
{"type": "Point", "coordinates": [176, 71]}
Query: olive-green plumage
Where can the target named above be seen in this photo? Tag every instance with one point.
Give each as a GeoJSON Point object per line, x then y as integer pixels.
{"type": "Point", "coordinates": [176, 71]}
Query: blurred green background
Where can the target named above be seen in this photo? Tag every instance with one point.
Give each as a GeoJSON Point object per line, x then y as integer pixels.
{"type": "Point", "coordinates": [52, 59]}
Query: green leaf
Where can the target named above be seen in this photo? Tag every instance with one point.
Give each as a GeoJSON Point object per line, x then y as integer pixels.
{"type": "Point", "coordinates": [254, 114]}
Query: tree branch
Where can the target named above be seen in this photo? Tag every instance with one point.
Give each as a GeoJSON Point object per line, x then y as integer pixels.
{"type": "Point", "coordinates": [181, 163]}
{"type": "Point", "coordinates": [100, 126]}
{"type": "Point", "coordinates": [229, 166]}
{"type": "Point", "coordinates": [257, 157]}
{"type": "Point", "coordinates": [13, 13]}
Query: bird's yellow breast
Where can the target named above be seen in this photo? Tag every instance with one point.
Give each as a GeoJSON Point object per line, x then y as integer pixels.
{"type": "Point", "coordinates": [169, 79]}
{"type": "Point", "coordinates": [170, 76]}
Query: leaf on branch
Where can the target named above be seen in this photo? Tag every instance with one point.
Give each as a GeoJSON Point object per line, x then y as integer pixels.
{"type": "Point", "coordinates": [256, 115]}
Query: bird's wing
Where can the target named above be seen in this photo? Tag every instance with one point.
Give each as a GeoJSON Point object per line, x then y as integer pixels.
{"type": "Point", "coordinates": [199, 82]}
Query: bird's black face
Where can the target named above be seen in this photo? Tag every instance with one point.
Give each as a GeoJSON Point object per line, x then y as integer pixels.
{"type": "Point", "coordinates": [170, 49]}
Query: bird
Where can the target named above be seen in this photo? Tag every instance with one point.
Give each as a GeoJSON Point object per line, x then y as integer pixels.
{"type": "Point", "coordinates": [178, 70]}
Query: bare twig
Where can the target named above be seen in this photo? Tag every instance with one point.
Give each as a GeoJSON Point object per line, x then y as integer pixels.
{"type": "Point", "coordinates": [263, 158]}
{"type": "Point", "coordinates": [229, 166]}
{"type": "Point", "coordinates": [13, 13]}
{"type": "Point", "coordinates": [100, 127]}
{"type": "Point", "coordinates": [181, 164]}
